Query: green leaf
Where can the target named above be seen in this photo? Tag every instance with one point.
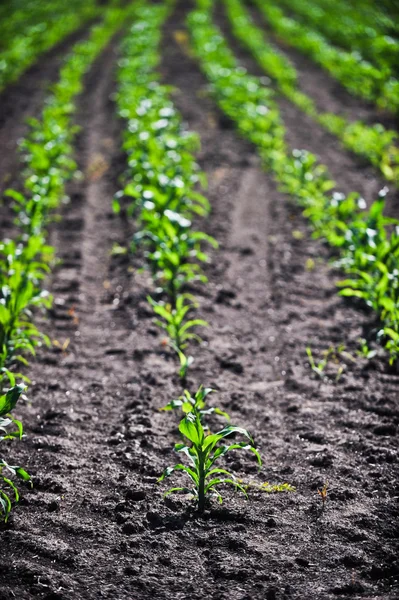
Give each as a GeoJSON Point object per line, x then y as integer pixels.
{"type": "Point", "coordinates": [191, 430]}
{"type": "Point", "coordinates": [394, 335]}
{"type": "Point", "coordinates": [353, 293]}
{"type": "Point", "coordinates": [177, 489]}
{"type": "Point", "coordinates": [9, 400]}
{"type": "Point", "coordinates": [233, 482]}
{"type": "Point", "coordinates": [22, 474]}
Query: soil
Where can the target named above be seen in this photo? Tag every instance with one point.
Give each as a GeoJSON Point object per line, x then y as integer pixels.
{"type": "Point", "coordinates": [95, 524]}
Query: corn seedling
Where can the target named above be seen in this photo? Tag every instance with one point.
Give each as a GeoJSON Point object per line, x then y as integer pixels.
{"type": "Point", "coordinates": [196, 404]}
{"type": "Point", "coordinates": [203, 453]}
{"type": "Point", "coordinates": [364, 350]}
{"type": "Point", "coordinates": [175, 247]}
{"type": "Point", "coordinates": [185, 361]}
{"type": "Point", "coordinates": [319, 367]}
{"type": "Point", "coordinates": [332, 355]}
{"type": "Point", "coordinates": [7, 404]}
{"type": "Point", "coordinates": [173, 320]}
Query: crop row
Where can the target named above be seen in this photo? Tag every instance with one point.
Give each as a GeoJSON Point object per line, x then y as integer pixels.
{"type": "Point", "coordinates": [366, 12]}
{"type": "Point", "coordinates": [22, 48]}
{"type": "Point", "coordinates": [375, 143]}
{"type": "Point", "coordinates": [348, 31]}
{"type": "Point", "coordinates": [26, 259]}
{"type": "Point", "coordinates": [160, 184]}
{"type": "Point", "coordinates": [368, 242]}
{"type": "Point", "coordinates": [359, 76]}
{"type": "Point", "coordinates": [31, 17]}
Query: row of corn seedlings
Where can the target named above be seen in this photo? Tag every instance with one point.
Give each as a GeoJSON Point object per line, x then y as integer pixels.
{"type": "Point", "coordinates": [36, 27]}
{"type": "Point", "coordinates": [366, 13]}
{"type": "Point", "coordinates": [363, 31]}
{"type": "Point", "coordinates": [161, 184]}
{"type": "Point", "coordinates": [26, 260]}
{"type": "Point", "coordinates": [373, 142]}
{"type": "Point", "coordinates": [368, 241]}
{"type": "Point", "coordinates": [373, 83]}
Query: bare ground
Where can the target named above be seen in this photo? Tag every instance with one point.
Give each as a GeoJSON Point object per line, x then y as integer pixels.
{"type": "Point", "coordinates": [95, 524]}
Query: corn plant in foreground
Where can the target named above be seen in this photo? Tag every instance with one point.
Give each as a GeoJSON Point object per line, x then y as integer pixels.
{"type": "Point", "coordinates": [203, 453]}
{"type": "Point", "coordinates": [161, 182]}
{"type": "Point", "coordinates": [368, 242]}
{"type": "Point", "coordinates": [10, 429]}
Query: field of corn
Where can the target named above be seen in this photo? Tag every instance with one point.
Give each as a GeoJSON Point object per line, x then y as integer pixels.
{"type": "Point", "coordinates": [199, 299]}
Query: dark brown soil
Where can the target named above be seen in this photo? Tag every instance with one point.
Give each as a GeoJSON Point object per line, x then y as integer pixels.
{"type": "Point", "coordinates": [95, 524]}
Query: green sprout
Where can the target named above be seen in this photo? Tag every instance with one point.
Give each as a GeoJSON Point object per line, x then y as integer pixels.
{"type": "Point", "coordinates": [173, 320]}
{"type": "Point", "coordinates": [196, 404]}
{"type": "Point", "coordinates": [319, 367]}
{"type": "Point", "coordinates": [331, 355]}
{"type": "Point", "coordinates": [203, 453]}
{"type": "Point", "coordinates": [364, 350]}
{"type": "Point", "coordinates": [185, 361]}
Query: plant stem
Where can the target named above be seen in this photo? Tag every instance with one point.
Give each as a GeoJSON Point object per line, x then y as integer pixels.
{"type": "Point", "coordinates": [201, 485]}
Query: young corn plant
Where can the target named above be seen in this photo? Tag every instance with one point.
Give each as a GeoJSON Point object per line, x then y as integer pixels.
{"type": "Point", "coordinates": [203, 453]}
{"type": "Point", "coordinates": [174, 248]}
{"type": "Point", "coordinates": [21, 275]}
{"type": "Point", "coordinates": [10, 429]}
{"type": "Point", "coordinates": [185, 362]}
{"type": "Point", "coordinates": [196, 404]}
{"type": "Point", "coordinates": [331, 357]}
{"type": "Point", "coordinates": [178, 328]}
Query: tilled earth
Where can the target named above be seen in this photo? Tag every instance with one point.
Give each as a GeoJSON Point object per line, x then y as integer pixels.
{"type": "Point", "coordinates": [95, 524]}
